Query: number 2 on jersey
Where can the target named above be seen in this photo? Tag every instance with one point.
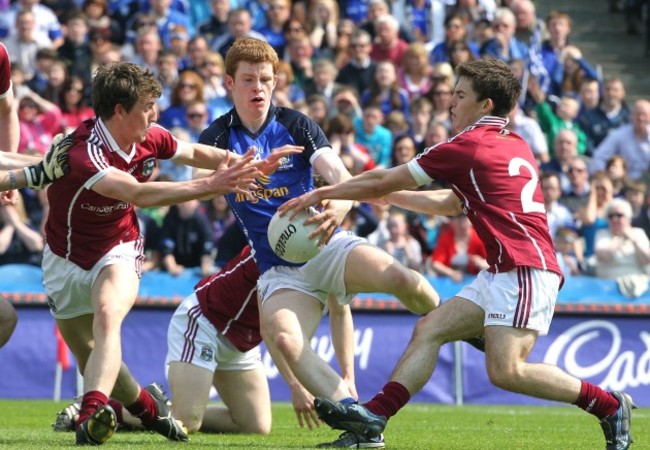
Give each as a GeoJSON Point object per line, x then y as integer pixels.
{"type": "Point", "coordinates": [527, 203]}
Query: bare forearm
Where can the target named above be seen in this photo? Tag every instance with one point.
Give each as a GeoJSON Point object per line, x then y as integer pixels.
{"type": "Point", "coordinates": [9, 161]}
{"type": "Point", "coordinates": [7, 183]}
{"type": "Point", "coordinates": [442, 202]}
{"type": "Point", "coordinates": [367, 185]}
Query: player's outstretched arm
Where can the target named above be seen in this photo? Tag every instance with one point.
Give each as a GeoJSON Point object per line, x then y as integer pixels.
{"type": "Point", "coordinates": [239, 178]}
{"type": "Point", "coordinates": [441, 202]}
{"type": "Point", "coordinates": [36, 173]}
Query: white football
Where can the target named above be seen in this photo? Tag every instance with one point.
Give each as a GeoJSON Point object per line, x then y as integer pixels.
{"type": "Point", "coordinates": [289, 239]}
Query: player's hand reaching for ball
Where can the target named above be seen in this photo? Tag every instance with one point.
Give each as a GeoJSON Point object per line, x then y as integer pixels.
{"type": "Point", "coordinates": [273, 161]}
{"type": "Point", "coordinates": [238, 178]}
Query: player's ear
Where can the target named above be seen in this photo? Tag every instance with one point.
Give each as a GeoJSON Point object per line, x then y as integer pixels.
{"type": "Point", "coordinates": [488, 106]}
{"type": "Point", "coordinates": [228, 82]}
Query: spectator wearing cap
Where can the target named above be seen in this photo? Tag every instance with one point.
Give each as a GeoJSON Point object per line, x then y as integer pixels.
{"type": "Point", "coordinates": [45, 22]}
{"type": "Point", "coordinates": [26, 41]}
{"type": "Point", "coordinates": [217, 24]}
{"type": "Point", "coordinates": [631, 141]}
{"type": "Point", "coordinates": [75, 51]}
{"type": "Point", "coordinates": [178, 41]}
{"type": "Point", "coordinates": [359, 71]}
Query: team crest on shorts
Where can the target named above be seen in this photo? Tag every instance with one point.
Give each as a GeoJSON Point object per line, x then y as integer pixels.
{"type": "Point", "coordinates": [147, 166]}
{"type": "Point", "coordinates": [207, 354]}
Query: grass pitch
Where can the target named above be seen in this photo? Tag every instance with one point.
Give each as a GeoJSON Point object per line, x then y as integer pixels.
{"type": "Point", "coordinates": [25, 424]}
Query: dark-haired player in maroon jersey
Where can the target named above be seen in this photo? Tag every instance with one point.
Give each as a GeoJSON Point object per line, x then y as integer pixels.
{"type": "Point", "coordinates": [494, 180]}
{"type": "Point", "coordinates": [92, 260]}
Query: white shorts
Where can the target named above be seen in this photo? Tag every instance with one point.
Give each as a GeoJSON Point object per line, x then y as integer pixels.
{"type": "Point", "coordinates": [522, 298]}
{"type": "Point", "coordinates": [68, 286]}
{"type": "Point", "coordinates": [319, 277]}
{"type": "Point", "coordinates": [191, 338]}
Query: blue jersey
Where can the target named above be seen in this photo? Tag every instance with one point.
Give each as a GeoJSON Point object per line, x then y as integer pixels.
{"type": "Point", "coordinates": [294, 177]}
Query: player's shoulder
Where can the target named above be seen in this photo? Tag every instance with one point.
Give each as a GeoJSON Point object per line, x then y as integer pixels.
{"type": "Point", "coordinates": [291, 118]}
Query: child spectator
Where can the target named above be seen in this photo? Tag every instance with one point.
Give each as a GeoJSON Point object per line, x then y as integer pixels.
{"type": "Point", "coordinates": [371, 134]}
{"type": "Point", "coordinates": [558, 215]}
{"type": "Point", "coordinates": [340, 133]}
{"type": "Point", "coordinates": [404, 150]}
{"type": "Point", "coordinates": [396, 123]}
{"type": "Point", "coordinates": [616, 169]}
{"type": "Point", "coordinates": [400, 244]}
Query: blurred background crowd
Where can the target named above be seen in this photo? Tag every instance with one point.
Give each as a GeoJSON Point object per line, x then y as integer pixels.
{"type": "Point", "coordinates": [377, 75]}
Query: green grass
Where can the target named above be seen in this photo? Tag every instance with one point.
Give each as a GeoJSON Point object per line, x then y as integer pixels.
{"type": "Point", "coordinates": [25, 424]}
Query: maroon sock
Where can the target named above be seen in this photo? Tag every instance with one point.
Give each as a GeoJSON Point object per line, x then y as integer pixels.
{"type": "Point", "coordinates": [596, 401]}
{"type": "Point", "coordinates": [91, 401]}
{"type": "Point", "coordinates": [117, 407]}
{"type": "Point", "coordinates": [144, 407]}
{"type": "Point", "coordinates": [389, 400]}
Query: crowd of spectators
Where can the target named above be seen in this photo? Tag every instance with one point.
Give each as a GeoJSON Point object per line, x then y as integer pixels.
{"type": "Point", "coordinates": [377, 75]}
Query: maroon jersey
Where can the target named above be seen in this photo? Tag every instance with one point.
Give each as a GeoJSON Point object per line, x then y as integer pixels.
{"type": "Point", "coordinates": [228, 299]}
{"type": "Point", "coordinates": [494, 173]}
{"type": "Point", "coordinates": [82, 226]}
{"type": "Point", "coordinates": [5, 71]}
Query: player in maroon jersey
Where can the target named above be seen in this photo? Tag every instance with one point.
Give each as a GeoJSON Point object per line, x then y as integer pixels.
{"type": "Point", "coordinates": [213, 340]}
{"type": "Point", "coordinates": [494, 180]}
{"type": "Point", "coordinates": [91, 263]}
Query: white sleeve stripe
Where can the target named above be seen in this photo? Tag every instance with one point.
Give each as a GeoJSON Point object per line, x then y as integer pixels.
{"type": "Point", "coordinates": [96, 156]}
{"type": "Point", "coordinates": [418, 173]}
{"type": "Point", "coordinates": [319, 152]}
